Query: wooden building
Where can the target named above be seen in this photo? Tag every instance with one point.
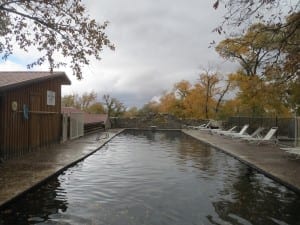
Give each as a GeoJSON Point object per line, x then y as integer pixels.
{"type": "Point", "coordinates": [30, 111]}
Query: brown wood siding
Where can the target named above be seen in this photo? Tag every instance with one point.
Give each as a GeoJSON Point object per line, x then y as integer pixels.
{"type": "Point", "coordinates": [1, 126]}
{"type": "Point", "coordinates": [43, 128]}
{"type": "Point", "coordinates": [34, 121]}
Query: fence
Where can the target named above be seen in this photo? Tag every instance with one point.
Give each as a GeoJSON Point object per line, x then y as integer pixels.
{"type": "Point", "coordinates": [161, 121]}
{"type": "Point", "coordinates": [93, 127]}
{"type": "Point", "coordinates": [297, 123]}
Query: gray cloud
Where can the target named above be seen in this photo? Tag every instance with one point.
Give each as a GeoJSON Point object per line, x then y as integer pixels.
{"type": "Point", "coordinates": [157, 43]}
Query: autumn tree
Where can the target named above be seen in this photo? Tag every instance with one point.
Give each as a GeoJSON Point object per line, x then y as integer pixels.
{"type": "Point", "coordinates": [208, 81]}
{"type": "Point", "coordinates": [168, 103]}
{"type": "Point", "coordinates": [230, 107]}
{"type": "Point", "coordinates": [113, 106]}
{"type": "Point", "coordinates": [151, 107]}
{"type": "Point", "coordinates": [215, 86]}
{"type": "Point", "coordinates": [201, 100]}
{"type": "Point", "coordinates": [108, 102]}
{"type": "Point", "coordinates": [131, 112]}
{"type": "Point", "coordinates": [194, 101]}
{"type": "Point", "coordinates": [258, 97]}
{"type": "Point", "coordinates": [96, 108]}
{"type": "Point", "coordinates": [252, 50]}
{"type": "Point", "coordinates": [293, 95]}
{"type": "Point", "coordinates": [276, 32]}
{"type": "Point", "coordinates": [221, 92]}
{"type": "Point", "coordinates": [242, 13]}
{"type": "Point", "coordinates": [286, 67]}
{"type": "Point", "coordinates": [70, 100]}
{"type": "Point", "coordinates": [182, 88]}
{"type": "Point", "coordinates": [271, 59]}
{"type": "Point", "coordinates": [250, 93]}
{"type": "Point", "coordinates": [86, 102]}
{"type": "Point", "coordinates": [173, 102]}
{"type": "Point", "coordinates": [87, 99]}
{"type": "Point", "coordinates": [52, 27]}
{"type": "Point", "coordinates": [292, 47]}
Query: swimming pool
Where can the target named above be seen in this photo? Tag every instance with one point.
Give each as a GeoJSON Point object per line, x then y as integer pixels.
{"type": "Point", "coordinates": [156, 178]}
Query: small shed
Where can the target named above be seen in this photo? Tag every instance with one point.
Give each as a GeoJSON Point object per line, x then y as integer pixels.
{"type": "Point", "coordinates": [94, 122]}
{"type": "Point", "coordinates": [73, 121]}
{"type": "Point", "coordinates": [30, 111]}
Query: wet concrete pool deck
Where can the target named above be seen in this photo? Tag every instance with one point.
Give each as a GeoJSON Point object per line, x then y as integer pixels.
{"type": "Point", "coordinates": [267, 158]}
{"type": "Point", "coordinates": [19, 175]}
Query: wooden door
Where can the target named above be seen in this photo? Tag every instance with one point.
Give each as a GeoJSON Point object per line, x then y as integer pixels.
{"type": "Point", "coordinates": [34, 121]}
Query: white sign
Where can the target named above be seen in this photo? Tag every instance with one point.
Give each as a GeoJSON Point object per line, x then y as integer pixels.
{"type": "Point", "coordinates": [50, 98]}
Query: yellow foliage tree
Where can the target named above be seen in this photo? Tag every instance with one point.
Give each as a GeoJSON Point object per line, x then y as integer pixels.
{"type": "Point", "coordinates": [252, 51]}
{"type": "Point", "coordinates": [194, 102]}
{"type": "Point", "coordinates": [257, 97]}
{"type": "Point", "coordinates": [230, 108]}
{"type": "Point", "coordinates": [200, 100]}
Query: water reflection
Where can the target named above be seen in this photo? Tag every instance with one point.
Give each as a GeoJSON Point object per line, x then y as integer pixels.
{"type": "Point", "coordinates": [155, 135]}
{"type": "Point", "coordinates": [157, 178]}
{"type": "Point", "coordinates": [37, 206]}
{"type": "Point", "coordinates": [256, 199]}
{"type": "Point", "coordinates": [195, 153]}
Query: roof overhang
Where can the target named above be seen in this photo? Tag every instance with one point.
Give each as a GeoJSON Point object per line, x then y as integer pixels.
{"type": "Point", "coordinates": [33, 77]}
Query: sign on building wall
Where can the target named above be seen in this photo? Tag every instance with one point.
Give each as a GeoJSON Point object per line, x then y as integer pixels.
{"type": "Point", "coordinates": [50, 98]}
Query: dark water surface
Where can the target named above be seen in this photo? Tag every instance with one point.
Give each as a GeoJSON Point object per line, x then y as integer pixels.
{"type": "Point", "coordinates": [157, 178]}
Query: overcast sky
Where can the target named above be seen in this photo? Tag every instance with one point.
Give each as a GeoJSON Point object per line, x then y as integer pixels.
{"type": "Point", "coordinates": [158, 43]}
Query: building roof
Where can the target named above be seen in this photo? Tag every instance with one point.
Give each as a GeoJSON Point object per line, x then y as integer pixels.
{"type": "Point", "coordinates": [9, 80]}
{"type": "Point", "coordinates": [95, 118]}
{"type": "Point", "coordinates": [69, 110]}
{"type": "Point", "coordinates": [88, 117]}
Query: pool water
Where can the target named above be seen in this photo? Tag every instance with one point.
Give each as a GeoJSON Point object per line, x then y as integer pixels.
{"type": "Point", "coordinates": [157, 178]}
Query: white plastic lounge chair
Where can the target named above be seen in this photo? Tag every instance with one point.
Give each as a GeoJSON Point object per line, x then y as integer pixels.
{"type": "Point", "coordinates": [205, 126]}
{"type": "Point", "coordinates": [295, 151]}
{"type": "Point", "coordinates": [221, 132]}
{"type": "Point", "coordinates": [255, 134]}
{"type": "Point", "coordinates": [267, 138]}
{"type": "Point", "coordinates": [242, 132]}
{"type": "Point", "coordinates": [196, 127]}
{"type": "Point", "coordinates": [291, 149]}
{"type": "Point", "coordinates": [202, 126]}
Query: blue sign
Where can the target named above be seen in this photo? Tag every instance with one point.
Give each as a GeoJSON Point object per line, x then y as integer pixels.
{"type": "Point", "coordinates": [25, 112]}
